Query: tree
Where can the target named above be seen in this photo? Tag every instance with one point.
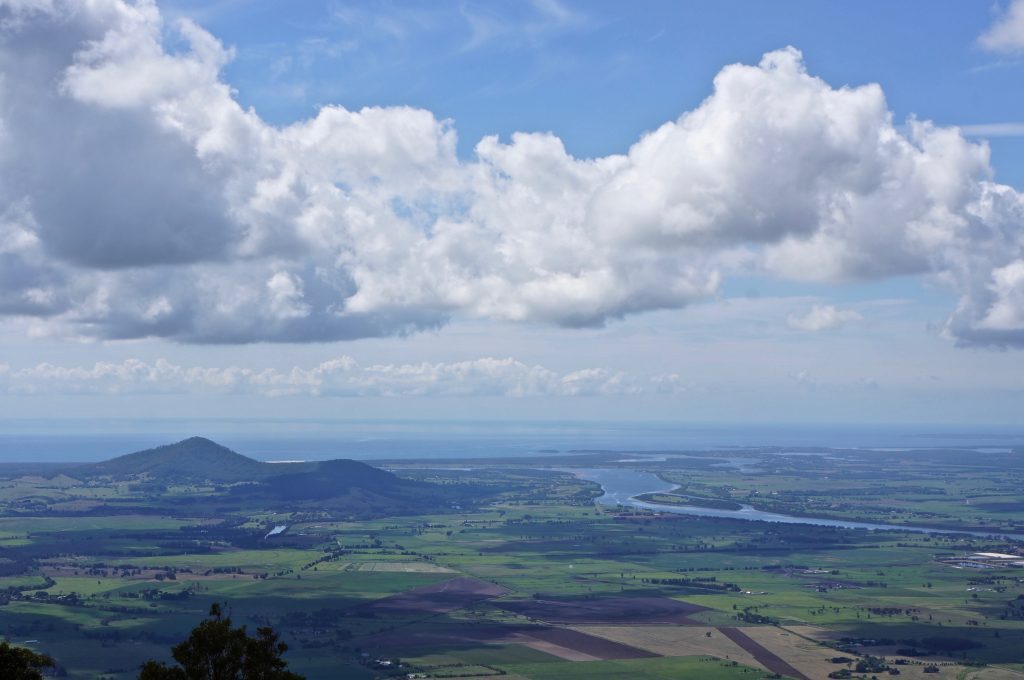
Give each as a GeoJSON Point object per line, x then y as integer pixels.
{"type": "Point", "coordinates": [19, 663]}
{"type": "Point", "coordinates": [216, 651]}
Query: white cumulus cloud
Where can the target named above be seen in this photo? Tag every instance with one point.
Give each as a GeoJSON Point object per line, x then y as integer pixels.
{"type": "Point", "coordinates": [139, 199]}
{"type": "Point", "coordinates": [823, 318]}
{"type": "Point", "coordinates": [1007, 32]}
{"type": "Point", "coordinates": [343, 377]}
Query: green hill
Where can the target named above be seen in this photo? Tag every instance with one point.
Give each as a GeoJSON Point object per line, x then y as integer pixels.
{"type": "Point", "coordinates": [192, 459]}
{"type": "Point", "coordinates": [347, 486]}
{"type": "Point", "coordinates": [336, 477]}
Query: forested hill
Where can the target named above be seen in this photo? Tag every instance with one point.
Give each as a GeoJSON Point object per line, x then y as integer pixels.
{"type": "Point", "coordinates": [197, 470]}
{"type": "Point", "coordinates": [192, 459]}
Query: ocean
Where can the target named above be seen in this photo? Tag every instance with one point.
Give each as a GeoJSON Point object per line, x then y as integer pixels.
{"type": "Point", "coordinates": [81, 441]}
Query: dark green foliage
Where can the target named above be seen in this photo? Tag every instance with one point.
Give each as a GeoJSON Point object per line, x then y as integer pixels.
{"type": "Point", "coordinates": [235, 482]}
{"type": "Point", "coordinates": [19, 663]}
{"type": "Point", "coordinates": [201, 460]}
{"type": "Point", "coordinates": [331, 478]}
{"type": "Point", "coordinates": [946, 643]}
{"type": "Point", "coordinates": [216, 651]}
{"type": "Point", "coordinates": [195, 458]}
{"type": "Point", "coordinates": [871, 664]}
{"type": "Point", "coordinates": [335, 477]}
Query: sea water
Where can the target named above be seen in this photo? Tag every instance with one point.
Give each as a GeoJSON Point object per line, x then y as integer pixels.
{"type": "Point", "coordinates": [80, 440]}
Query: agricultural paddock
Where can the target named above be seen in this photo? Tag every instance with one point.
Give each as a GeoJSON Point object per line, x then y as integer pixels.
{"type": "Point", "coordinates": [576, 645]}
{"type": "Point", "coordinates": [675, 641]}
{"type": "Point", "coordinates": [576, 611]}
{"type": "Point", "coordinates": [800, 646]}
{"type": "Point", "coordinates": [436, 598]}
{"type": "Point", "coordinates": [556, 642]}
{"type": "Point", "coordinates": [620, 593]}
{"type": "Point", "coordinates": [396, 567]}
{"type": "Point", "coordinates": [764, 656]}
{"type": "Point", "coordinates": [807, 656]}
{"type": "Point", "coordinates": [660, 668]}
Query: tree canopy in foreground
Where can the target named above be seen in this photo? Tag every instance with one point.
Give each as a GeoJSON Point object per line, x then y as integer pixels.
{"type": "Point", "coordinates": [215, 650]}
{"type": "Point", "coordinates": [19, 663]}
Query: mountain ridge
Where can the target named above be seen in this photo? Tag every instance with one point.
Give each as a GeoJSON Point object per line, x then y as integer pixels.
{"type": "Point", "coordinates": [340, 485]}
{"type": "Point", "coordinates": [192, 459]}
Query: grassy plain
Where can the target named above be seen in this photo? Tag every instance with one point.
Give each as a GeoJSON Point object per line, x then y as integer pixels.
{"type": "Point", "coordinates": [104, 592]}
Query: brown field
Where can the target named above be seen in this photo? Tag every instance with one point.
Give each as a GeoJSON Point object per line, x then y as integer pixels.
{"type": "Point", "coordinates": [563, 643]}
{"type": "Point", "coordinates": [576, 645]}
{"type": "Point", "coordinates": [437, 598]}
{"type": "Point", "coordinates": [558, 651]}
{"type": "Point", "coordinates": [765, 657]}
{"type": "Point", "coordinates": [807, 656]}
{"type": "Point", "coordinates": [675, 641]}
{"type": "Point", "coordinates": [995, 674]}
{"type": "Point", "coordinates": [612, 610]}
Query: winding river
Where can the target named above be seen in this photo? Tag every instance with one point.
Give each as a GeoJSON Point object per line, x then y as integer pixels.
{"type": "Point", "coordinates": [621, 486]}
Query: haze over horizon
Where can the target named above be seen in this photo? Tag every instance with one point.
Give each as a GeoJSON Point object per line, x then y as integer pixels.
{"type": "Point", "coordinates": [512, 211]}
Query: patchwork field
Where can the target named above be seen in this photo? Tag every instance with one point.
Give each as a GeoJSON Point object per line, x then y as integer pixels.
{"type": "Point", "coordinates": [437, 598]}
{"type": "Point", "coordinates": [767, 658]}
{"type": "Point", "coordinates": [398, 567]}
{"type": "Point", "coordinates": [536, 583]}
{"type": "Point", "coordinates": [637, 610]}
{"type": "Point", "coordinates": [676, 641]}
{"type": "Point", "coordinates": [664, 668]}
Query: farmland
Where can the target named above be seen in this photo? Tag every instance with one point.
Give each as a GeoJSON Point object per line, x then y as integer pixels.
{"type": "Point", "coordinates": [524, 577]}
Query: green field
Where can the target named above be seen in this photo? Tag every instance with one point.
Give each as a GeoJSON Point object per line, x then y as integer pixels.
{"type": "Point", "coordinates": [103, 593]}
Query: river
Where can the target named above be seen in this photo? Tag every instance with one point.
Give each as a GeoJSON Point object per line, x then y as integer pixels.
{"type": "Point", "coordinates": [621, 486]}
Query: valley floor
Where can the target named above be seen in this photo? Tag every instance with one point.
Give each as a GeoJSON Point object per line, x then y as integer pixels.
{"type": "Point", "coordinates": [537, 583]}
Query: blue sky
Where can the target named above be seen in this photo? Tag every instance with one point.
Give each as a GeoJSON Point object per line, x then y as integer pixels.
{"type": "Point", "coordinates": [599, 74]}
{"type": "Point", "coordinates": [722, 211]}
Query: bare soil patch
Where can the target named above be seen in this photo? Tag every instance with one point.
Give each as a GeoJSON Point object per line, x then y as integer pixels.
{"type": "Point", "coordinates": [807, 656]}
{"type": "Point", "coordinates": [673, 640]}
{"type": "Point", "coordinates": [762, 654]}
{"type": "Point", "coordinates": [563, 643]}
{"type": "Point", "coordinates": [580, 644]}
{"type": "Point", "coordinates": [557, 650]}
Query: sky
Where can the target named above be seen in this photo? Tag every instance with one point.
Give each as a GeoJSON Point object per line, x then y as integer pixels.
{"type": "Point", "coordinates": [731, 212]}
